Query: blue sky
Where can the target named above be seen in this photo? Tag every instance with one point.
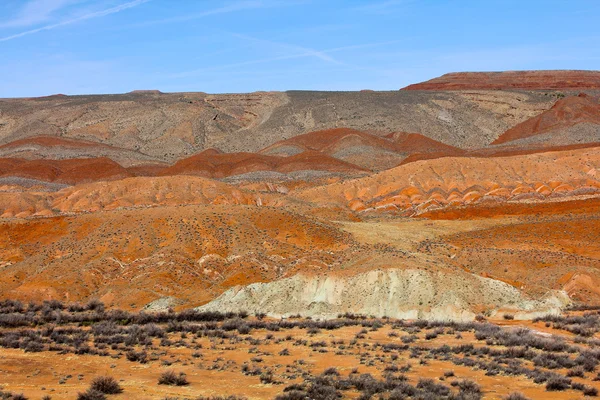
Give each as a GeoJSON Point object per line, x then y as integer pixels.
{"type": "Point", "coordinates": [112, 46]}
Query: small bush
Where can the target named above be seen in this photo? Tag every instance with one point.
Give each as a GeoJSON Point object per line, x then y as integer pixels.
{"type": "Point", "coordinates": [106, 384]}
{"type": "Point", "coordinates": [431, 335]}
{"type": "Point", "coordinates": [557, 383]}
{"type": "Point", "coordinates": [590, 391]}
{"type": "Point", "coordinates": [172, 379]}
{"type": "Point", "coordinates": [429, 386]}
{"type": "Point", "coordinates": [91, 394]}
{"type": "Point", "coordinates": [140, 357]}
{"type": "Point", "coordinates": [577, 371]}
{"type": "Point", "coordinates": [408, 338]}
{"type": "Point", "coordinates": [284, 352]}
{"type": "Point", "coordinates": [293, 395]}
{"type": "Point", "coordinates": [267, 377]}
{"type": "Point", "coordinates": [469, 389]}
{"type": "Point", "coordinates": [515, 396]}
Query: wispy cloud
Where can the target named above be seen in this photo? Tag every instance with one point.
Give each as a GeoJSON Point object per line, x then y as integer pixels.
{"type": "Point", "coordinates": [96, 14]}
{"type": "Point", "coordinates": [300, 52]}
{"type": "Point", "coordinates": [35, 12]}
{"type": "Point", "coordinates": [304, 51]}
{"type": "Point", "coordinates": [228, 8]}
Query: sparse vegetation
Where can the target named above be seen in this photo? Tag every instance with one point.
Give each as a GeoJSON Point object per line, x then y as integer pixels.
{"type": "Point", "coordinates": [515, 396]}
{"type": "Point", "coordinates": [91, 394]}
{"type": "Point", "coordinates": [106, 385]}
{"type": "Point", "coordinates": [143, 338]}
{"type": "Point", "coordinates": [172, 378]}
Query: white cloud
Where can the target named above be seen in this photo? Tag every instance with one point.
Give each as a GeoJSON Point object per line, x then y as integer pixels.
{"type": "Point", "coordinates": [303, 51]}
{"type": "Point", "coordinates": [96, 14]}
{"type": "Point", "coordinates": [297, 52]}
{"type": "Point", "coordinates": [235, 6]}
{"type": "Point", "coordinates": [35, 12]}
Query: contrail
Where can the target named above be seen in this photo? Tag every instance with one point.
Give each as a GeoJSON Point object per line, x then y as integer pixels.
{"type": "Point", "coordinates": [96, 14]}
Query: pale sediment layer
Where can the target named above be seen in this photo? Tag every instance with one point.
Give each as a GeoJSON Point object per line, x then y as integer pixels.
{"type": "Point", "coordinates": [395, 293]}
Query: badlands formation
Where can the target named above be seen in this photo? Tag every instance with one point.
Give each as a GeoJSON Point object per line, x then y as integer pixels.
{"type": "Point", "coordinates": [437, 242]}
{"type": "Point", "coordinates": [472, 193]}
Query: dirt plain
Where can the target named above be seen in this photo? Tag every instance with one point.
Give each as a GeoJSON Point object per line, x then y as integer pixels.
{"type": "Point", "coordinates": [253, 357]}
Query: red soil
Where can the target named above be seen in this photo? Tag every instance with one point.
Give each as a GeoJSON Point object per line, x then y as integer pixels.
{"type": "Point", "coordinates": [218, 165]}
{"type": "Point", "coordinates": [71, 171]}
{"type": "Point", "coordinates": [565, 113]}
{"type": "Point", "coordinates": [369, 151]}
{"type": "Point", "coordinates": [8, 164]}
{"type": "Point", "coordinates": [146, 91]}
{"type": "Point", "coordinates": [331, 140]}
{"type": "Point", "coordinates": [490, 152]}
{"type": "Point", "coordinates": [209, 163]}
{"type": "Point", "coordinates": [421, 147]}
{"type": "Point", "coordinates": [146, 169]}
{"type": "Point", "coordinates": [561, 79]}
{"type": "Point", "coordinates": [574, 207]}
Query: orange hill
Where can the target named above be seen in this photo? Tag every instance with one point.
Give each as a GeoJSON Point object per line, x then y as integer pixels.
{"type": "Point", "coordinates": [136, 256]}
{"type": "Point", "coordinates": [454, 181]}
{"type": "Point", "coordinates": [137, 192]}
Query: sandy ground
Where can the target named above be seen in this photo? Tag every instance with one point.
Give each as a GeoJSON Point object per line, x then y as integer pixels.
{"type": "Point", "coordinates": [217, 370]}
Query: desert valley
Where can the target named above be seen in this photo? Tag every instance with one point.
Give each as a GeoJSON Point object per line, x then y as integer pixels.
{"type": "Point", "coordinates": [441, 241]}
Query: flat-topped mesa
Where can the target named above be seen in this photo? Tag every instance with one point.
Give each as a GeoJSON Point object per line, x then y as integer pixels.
{"type": "Point", "coordinates": [146, 91]}
{"type": "Point", "coordinates": [533, 80]}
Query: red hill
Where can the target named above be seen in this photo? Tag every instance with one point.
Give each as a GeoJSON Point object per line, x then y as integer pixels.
{"type": "Point", "coordinates": [71, 171]}
{"type": "Point", "coordinates": [558, 79]}
{"type": "Point", "coordinates": [368, 151]}
{"type": "Point", "coordinates": [212, 164]}
{"type": "Point", "coordinates": [566, 113]}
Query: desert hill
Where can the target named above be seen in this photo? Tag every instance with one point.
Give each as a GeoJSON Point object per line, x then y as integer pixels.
{"type": "Point", "coordinates": [179, 198]}
{"type": "Point", "coordinates": [59, 148]}
{"type": "Point", "coordinates": [506, 80]}
{"type": "Point", "coordinates": [571, 120]}
{"type": "Point", "coordinates": [219, 165]}
{"type": "Point", "coordinates": [68, 171]}
{"type": "Point", "coordinates": [135, 192]}
{"type": "Point", "coordinates": [171, 126]}
{"type": "Point", "coordinates": [360, 148]}
{"type": "Point", "coordinates": [341, 150]}
{"type": "Point", "coordinates": [455, 181]}
{"type": "Point", "coordinates": [131, 257]}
